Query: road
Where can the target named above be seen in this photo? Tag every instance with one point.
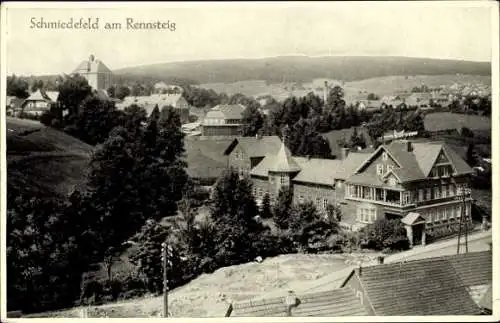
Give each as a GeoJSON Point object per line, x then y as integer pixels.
{"type": "Point", "coordinates": [478, 241]}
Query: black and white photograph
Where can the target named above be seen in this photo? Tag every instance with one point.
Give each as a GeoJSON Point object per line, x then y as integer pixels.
{"type": "Point", "coordinates": [249, 159]}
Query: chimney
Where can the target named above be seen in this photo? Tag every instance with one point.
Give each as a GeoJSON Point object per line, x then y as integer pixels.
{"type": "Point", "coordinates": [409, 147]}
{"type": "Point", "coordinates": [291, 301]}
{"type": "Point", "coordinates": [380, 260]}
{"type": "Point", "coordinates": [325, 92]}
{"type": "Point", "coordinates": [344, 152]}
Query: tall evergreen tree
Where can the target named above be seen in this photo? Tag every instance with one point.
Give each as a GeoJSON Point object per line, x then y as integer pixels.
{"type": "Point", "coordinates": [282, 208]}
{"type": "Point", "coordinates": [233, 212]}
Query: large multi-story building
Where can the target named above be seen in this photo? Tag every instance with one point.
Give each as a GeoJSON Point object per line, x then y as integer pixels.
{"type": "Point", "coordinates": [149, 102]}
{"type": "Point", "coordinates": [223, 120]}
{"type": "Point", "coordinates": [417, 182]}
{"type": "Point", "coordinates": [97, 74]}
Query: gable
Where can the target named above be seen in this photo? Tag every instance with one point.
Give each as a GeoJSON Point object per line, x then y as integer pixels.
{"type": "Point", "coordinates": [378, 156]}
{"type": "Point", "coordinates": [379, 164]}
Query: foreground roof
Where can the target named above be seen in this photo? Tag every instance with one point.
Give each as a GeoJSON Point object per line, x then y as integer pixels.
{"type": "Point", "coordinates": [432, 286]}
{"type": "Point", "coordinates": [336, 302]}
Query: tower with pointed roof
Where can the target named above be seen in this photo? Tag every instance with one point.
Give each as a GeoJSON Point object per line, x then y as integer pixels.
{"type": "Point", "coordinates": [283, 168]}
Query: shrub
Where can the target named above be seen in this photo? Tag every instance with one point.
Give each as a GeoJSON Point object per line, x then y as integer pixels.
{"type": "Point", "coordinates": [384, 234]}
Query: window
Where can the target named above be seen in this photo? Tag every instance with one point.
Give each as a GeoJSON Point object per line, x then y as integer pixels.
{"type": "Point", "coordinates": [380, 169]}
{"type": "Point", "coordinates": [443, 213]}
{"type": "Point", "coordinates": [420, 195]}
{"type": "Point", "coordinates": [451, 190]}
{"type": "Point", "coordinates": [436, 192]}
{"type": "Point", "coordinates": [283, 179]}
{"type": "Point", "coordinates": [428, 194]}
{"type": "Point", "coordinates": [367, 215]}
{"type": "Point", "coordinates": [325, 203]}
{"type": "Point", "coordinates": [446, 171]}
{"type": "Point", "coordinates": [428, 217]}
{"type": "Point", "coordinates": [444, 191]}
{"type": "Point", "coordinates": [318, 203]}
{"type": "Point", "coordinates": [301, 199]}
{"type": "Point", "coordinates": [406, 197]}
{"type": "Point", "coordinates": [384, 156]}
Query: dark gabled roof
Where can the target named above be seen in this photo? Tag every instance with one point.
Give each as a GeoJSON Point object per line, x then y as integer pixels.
{"type": "Point", "coordinates": [432, 286]}
{"type": "Point", "coordinates": [334, 137]}
{"type": "Point", "coordinates": [336, 302]}
{"type": "Point", "coordinates": [415, 164]}
{"type": "Point", "coordinates": [351, 163]}
{"type": "Point", "coordinates": [474, 268]}
{"type": "Point", "coordinates": [317, 170]}
{"type": "Point", "coordinates": [256, 147]}
{"type": "Point", "coordinates": [205, 157]}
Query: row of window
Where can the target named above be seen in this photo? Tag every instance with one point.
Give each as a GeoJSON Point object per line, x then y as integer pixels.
{"type": "Point", "coordinates": [406, 197]}
{"type": "Point", "coordinates": [320, 204]}
{"type": "Point", "coordinates": [445, 213]}
{"type": "Point", "coordinates": [381, 170]}
{"type": "Point", "coordinates": [440, 171]}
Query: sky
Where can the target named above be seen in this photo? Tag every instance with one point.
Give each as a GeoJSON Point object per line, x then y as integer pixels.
{"type": "Point", "coordinates": [246, 30]}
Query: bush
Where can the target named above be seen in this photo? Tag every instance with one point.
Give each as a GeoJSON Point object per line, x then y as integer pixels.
{"type": "Point", "coordinates": [384, 234]}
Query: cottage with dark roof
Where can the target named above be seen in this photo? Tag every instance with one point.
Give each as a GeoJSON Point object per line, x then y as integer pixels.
{"type": "Point", "coordinates": [244, 153]}
{"type": "Point", "coordinates": [37, 103]}
{"type": "Point", "coordinates": [223, 120]}
{"type": "Point", "coordinates": [97, 74]}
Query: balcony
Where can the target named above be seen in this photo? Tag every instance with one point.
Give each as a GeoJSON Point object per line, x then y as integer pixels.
{"type": "Point", "coordinates": [379, 196]}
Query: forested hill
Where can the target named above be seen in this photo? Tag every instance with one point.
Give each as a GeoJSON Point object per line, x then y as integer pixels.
{"type": "Point", "coordinates": [305, 69]}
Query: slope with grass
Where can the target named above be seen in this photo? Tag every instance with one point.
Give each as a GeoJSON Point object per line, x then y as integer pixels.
{"type": "Point", "coordinates": [203, 296]}
{"type": "Point", "coordinates": [42, 160]}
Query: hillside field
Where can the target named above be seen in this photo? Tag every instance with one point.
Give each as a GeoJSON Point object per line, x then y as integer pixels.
{"type": "Point", "coordinates": [303, 69]}
{"type": "Point", "coordinates": [43, 160]}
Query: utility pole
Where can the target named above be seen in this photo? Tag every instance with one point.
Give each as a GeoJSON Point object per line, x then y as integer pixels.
{"type": "Point", "coordinates": [463, 225]}
{"type": "Point", "coordinates": [166, 251]}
